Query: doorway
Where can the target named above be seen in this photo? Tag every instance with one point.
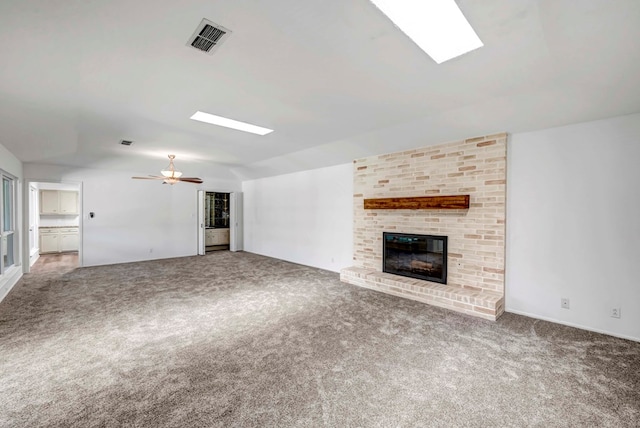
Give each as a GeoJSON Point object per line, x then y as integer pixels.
{"type": "Point", "coordinates": [54, 224]}
{"type": "Point", "coordinates": [219, 221]}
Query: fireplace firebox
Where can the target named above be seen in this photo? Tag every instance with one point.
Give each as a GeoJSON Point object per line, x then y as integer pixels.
{"type": "Point", "coordinates": [416, 256]}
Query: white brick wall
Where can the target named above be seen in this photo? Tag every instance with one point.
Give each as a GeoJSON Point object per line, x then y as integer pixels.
{"type": "Point", "coordinates": [476, 166]}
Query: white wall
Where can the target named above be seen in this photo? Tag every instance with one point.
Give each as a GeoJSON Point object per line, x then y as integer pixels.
{"type": "Point", "coordinates": [134, 219]}
{"type": "Point", "coordinates": [57, 186]}
{"type": "Point", "coordinates": [573, 224]}
{"type": "Point", "coordinates": [11, 164]}
{"type": "Point", "coordinates": [304, 217]}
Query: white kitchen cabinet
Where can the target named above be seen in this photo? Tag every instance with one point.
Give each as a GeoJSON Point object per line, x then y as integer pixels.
{"type": "Point", "coordinates": [49, 238]}
{"type": "Point", "coordinates": [216, 237]}
{"type": "Point", "coordinates": [60, 202]}
{"type": "Point", "coordinates": [58, 239]}
{"type": "Point", "coordinates": [49, 244]}
{"type": "Point", "coordinates": [49, 202]}
{"type": "Point", "coordinates": [68, 202]}
{"type": "Point", "coordinates": [69, 240]}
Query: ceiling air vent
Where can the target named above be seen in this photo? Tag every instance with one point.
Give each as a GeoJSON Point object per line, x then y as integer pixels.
{"type": "Point", "coordinates": [126, 142]}
{"type": "Point", "coordinates": [208, 36]}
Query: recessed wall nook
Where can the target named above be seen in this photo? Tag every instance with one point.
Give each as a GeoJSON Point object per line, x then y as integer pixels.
{"type": "Point", "coordinates": [456, 190]}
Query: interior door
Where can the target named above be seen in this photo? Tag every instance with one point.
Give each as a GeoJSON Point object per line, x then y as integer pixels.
{"type": "Point", "coordinates": [33, 220]}
{"type": "Point", "coordinates": [201, 243]}
{"type": "Point", "coordinates": [236, 238]}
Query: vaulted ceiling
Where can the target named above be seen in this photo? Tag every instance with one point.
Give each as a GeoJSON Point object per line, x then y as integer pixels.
{"type": "Point", "coordinates": [335, 80]}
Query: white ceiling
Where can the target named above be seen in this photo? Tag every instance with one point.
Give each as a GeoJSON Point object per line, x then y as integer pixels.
{"type": "Point", "coordinates": [334, 79]}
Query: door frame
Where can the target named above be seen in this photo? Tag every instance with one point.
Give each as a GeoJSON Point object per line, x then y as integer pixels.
{"type": "Point", "coordinates": [235, 220]}
{"type": "Point", "coordinates": [26, 250]}
{"type": "Point", "coordinates": [32, 237]}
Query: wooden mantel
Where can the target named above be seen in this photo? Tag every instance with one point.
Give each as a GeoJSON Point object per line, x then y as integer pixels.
{"type": "Point", "coordinates": [454, 202]}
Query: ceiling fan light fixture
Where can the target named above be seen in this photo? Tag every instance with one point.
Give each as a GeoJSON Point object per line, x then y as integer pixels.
{"type": "Point", "coordinates": [170, 175]}
{"type": "Point", "coordinates": [170, 171]}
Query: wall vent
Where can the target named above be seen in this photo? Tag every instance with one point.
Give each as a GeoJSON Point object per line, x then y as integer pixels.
{"type": "Point", "coordinates": [126, 142]}
{"type": "Point", "coordinates": [208, 36]}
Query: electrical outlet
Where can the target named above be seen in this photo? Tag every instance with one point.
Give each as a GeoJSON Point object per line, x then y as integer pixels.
{"type": "Point", "coordinates": [564, 303]}
{"type": "Point", "coordinates": [615, 312]}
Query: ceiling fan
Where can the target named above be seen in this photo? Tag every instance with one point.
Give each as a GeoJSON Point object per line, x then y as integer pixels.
{"type": "Point", "coordinates": [170, 175]}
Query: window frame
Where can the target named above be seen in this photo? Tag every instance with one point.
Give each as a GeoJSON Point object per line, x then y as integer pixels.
{"type": "Point", "coordinates": [12, 224]}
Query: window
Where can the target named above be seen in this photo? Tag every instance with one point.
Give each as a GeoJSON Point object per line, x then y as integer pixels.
{"type": "Point", "coordinates": [8, 221]}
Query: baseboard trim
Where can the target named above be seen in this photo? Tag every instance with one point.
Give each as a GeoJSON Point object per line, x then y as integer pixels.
{"type": "Point", "coordinates": [33, 259]}
{"type": "Point", "coordinates": [569, 324]}
{"type": "Point", "coordinates": [7, 284]}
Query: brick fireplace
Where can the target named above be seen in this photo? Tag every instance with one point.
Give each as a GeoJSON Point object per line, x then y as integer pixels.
{"type": "Point", "coordinates": [476, 236]}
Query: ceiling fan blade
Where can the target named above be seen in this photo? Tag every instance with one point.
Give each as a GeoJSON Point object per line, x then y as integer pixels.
{"type": "Point", "coordinates": [151, 177]}
{"type": "Point", "coordinates": [191, 179]}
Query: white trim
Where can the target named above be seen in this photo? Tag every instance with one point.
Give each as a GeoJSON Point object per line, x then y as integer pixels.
{"type": "Point", "coordinates": [34, 258]}
{"type": "Point", "coordinates": [26, 251]}
{"type": "Point", "coordinates": [582, 327]}
{"type": "Point", "coordinates": [235, 220]}
{"type": "Point", "coordinates": [236, 240]}
{"type": "Point", "coordinates": [15, 196]}
{"type": "Point", "coordinates": [201, 230]}
{"type": "Point", "coordinates": [9, 280]}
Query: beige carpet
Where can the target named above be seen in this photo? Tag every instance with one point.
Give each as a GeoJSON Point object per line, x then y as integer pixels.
{"type": "Point", "coordinates": [241, 340]}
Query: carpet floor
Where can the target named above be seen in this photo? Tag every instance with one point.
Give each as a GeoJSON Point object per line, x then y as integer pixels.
{"type": "Point", "coordinates": [242, 340]}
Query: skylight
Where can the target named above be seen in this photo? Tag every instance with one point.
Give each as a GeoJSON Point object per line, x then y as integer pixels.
{"type": "Point", "coordinates": [229, 123]}
{"type": "Point", "coordinates": [438, 27]}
